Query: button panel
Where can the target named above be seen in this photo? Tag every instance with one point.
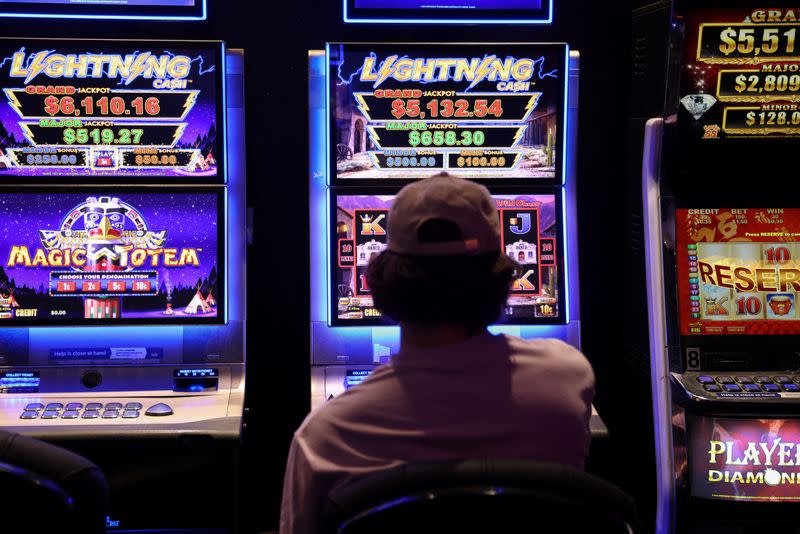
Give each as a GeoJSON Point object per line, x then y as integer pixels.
{"type": "Point", "coordinates": [92, 410]}
{"type": "Point", "coordinates": [770, 384]}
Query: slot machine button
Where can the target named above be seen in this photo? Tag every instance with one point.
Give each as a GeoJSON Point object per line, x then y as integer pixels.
{"type": "Point", "coordinates": [159, 409]}
{"type": "Point", "coordinates": [29, 414]}
{"type": "Point", "coordinates": [794, 388]}
{"type": "Point", "coordinates": [51, 414]}
{"type": "Point", "coordinates": [772, 388]}
{"type": "Point", "coordinates": [133, 406]}
{"type": "Point", "coordinates": [74, 406]}
{"type": "Point", "coordinates": [752, 388]}
{"type": "Point", "coordinates": [706, 379]}
{"type": "Point", "coordinates": [34, 406]}
{"type": "Point", "coordinates": [90, 414]}
{"type": "Point", "coordinates": [114, 406]}
{"type": "Point", "coordinates": [725, 380]}
{"type": "Point", "coordinates": [796, 379]}
{"type": "Point", "coordinates": [110, 414]}
{"type": "Point", "coordinates": [712, 388]}
{"type": "Point", "coordinates": [130, 414]}
{"type": "Point", "coordinates": [54, 406]}
{"type": "Point", "coordinates": [94, 406]}
{"type": "Point", "coordinates": [70, 414]}
{"type": "Point", "coordinates": [763, 380]}
{"type": "Point", "coordinates": [732, 387]}
{"type": "Point", "coordinates": [783, 380]}
{"type": "Point", "coordinates": [744, 379]}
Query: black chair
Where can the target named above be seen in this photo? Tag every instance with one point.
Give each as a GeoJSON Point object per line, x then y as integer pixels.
{"type": "Point", "coordinates": [480, 496]}
{"type": "Point", "coordinates": [45, 488]}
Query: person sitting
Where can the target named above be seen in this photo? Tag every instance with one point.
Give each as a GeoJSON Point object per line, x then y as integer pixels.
{"type": "Point", "coordinates": [453, 391]}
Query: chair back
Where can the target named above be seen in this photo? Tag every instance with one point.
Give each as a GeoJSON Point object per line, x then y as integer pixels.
{"type": "Point", "coordinates": [480, 496]}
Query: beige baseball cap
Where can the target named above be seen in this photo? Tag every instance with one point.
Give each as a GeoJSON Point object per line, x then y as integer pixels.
{"type": "Point", "coordinates": [444, 197]}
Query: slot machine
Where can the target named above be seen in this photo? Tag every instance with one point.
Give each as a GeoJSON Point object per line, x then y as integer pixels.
{"type": "Point", "coordinates": [384, 114]}
{"type": "Point", "coordinates": [122, 288]}
{"type": "Point", "coordinates": [721, 231]}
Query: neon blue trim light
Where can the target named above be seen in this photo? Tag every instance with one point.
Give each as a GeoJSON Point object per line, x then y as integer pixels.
{"type": "Point", "coordinates": [422, 20]}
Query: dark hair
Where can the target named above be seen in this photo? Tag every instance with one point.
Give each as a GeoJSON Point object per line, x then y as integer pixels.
{"type": "Point", "coordinates": [464, 290]}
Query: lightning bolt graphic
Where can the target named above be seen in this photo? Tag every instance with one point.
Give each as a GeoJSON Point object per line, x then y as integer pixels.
{"type": "Point", "coordinates": [385, 70]}
{"type": "Point", "coordinates": [518, 135]}
{"type": "Point", "coordinates": [13, 101]}
{"type": "Point", "coordinates": [138, 67]}
{"type": "Point", "coordinates": [178, 133]}
{"type": "Point", "coordinates": [483, 70]}
{"type": "Point", "coordinates": [532, 104]}
{"type": "Point", "coordinates": [339, 66]}
{"type": "Point", "coordinates": [191, 100]}
{"type": "Point", "coordinates": [516, 161]}
{"type": "Point", "coordinates": [373, 134]}
{"type": "Point", "coordinates": [26, 131]}
{"type": "Point", "coordinates": [362, 105]}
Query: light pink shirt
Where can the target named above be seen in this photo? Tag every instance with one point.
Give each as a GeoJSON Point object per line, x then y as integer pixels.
{"type": "Point", "coordinates": [487, 397]}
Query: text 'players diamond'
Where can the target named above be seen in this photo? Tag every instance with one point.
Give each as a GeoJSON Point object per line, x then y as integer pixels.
{"type": "Point", "coordinates": [697, 105]}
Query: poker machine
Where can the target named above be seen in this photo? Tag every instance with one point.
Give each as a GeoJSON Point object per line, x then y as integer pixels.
{"type": "Point", "coordinates": [721, 230]}
{"type": "Point", "coordinates": [384, 114]}
{"type": "Point", "coordinates": [122, 288]}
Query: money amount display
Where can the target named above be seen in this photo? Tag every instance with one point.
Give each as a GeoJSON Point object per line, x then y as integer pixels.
{"type": "Point", "coordinates": [757, 40]}
{"type": "Point", "coordinates": [449, 138]}
{"type": "Point", "coordinates": [773, 118]}
{"type": "Point", "coordinates": [446, 108]}
{"type": "Point", "coordinates": [770, 83]}
{"type": "Point", "coordinates": [102, 106]}
{"type": "Point", "coordinates": [104, 136]}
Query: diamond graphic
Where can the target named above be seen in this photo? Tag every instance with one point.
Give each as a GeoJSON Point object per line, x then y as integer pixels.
{"type": "Point", "coordinates": [697, 105]}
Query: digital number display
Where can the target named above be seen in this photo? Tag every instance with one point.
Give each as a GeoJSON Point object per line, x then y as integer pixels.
{"type": "Point", "coordinates": [739, 271]}
{"type": "Point", "coordinates": [530, 234]}
{"type": "Point", "coordinates": [741, 76]}
{"type": "Point", "coordinates": [400, 111]}
{"type": "Point", "coordinates": [117, 256]}
{"type": "Point", "coordinates": [91, 109]}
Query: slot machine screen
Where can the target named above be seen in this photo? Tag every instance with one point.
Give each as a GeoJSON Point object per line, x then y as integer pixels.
{"type": "Point", "coordinates": [103, 110]}
{"type": "Point", "coordinates": [739, 271]}
{"type": "Point", "coordinates": [110, 9]}
{"type": "Point", "coordinates": [531, 234]}
{"type": "Point", "coordinates": [522, 11]}
{"type": "Point", "coordinates": [491, 111]}
{"type": "Point", "coordinates": [739, 459]}
{"type": "Point", "coordinates": [111, 256]}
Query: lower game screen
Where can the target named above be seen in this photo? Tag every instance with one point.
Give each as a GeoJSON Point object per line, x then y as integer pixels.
{"type": "Point", "coordinates": [736, 459]}
{"type": "Point", "coordinates": [531, 235]}
{"type": "Point", "coordinates": [739, 270]}
{"type": "Point", "coordinates": [108, 255]}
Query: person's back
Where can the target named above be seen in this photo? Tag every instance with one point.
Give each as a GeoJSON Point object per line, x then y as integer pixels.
{"type": "Point", "coordinates": [454, 391]}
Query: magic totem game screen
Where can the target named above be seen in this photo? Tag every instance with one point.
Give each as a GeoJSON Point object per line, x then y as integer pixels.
{"type": "Point", "coordinates": [119, 256]}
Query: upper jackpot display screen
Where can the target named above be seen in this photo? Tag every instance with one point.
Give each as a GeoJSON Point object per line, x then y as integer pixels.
{"type": "Point", "coordinates": [111, 110]}
{"type": "Point", "coordinates": [111, 256]}
{"type": "Point", "coordinates": [739, 270]}
{"type": "Point", "coordinates": [741, 74]}
{"type": "Point", "coordinates": [405, 111]}
{"type": "Point", "coordinates": [106, 9]}
{"type": "Point", "coordinates": [454, 11]}
{"type": "Point", "coordinates": [531, 234]}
